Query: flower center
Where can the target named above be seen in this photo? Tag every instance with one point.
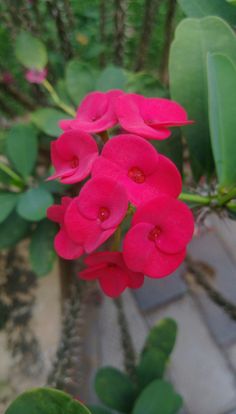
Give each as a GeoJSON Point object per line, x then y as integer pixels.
{"type": "Point", "coordinates": [103, 213]}
{"type": "Point", "coordinates": [74, 163]}
{"type": "Point", "coordinates": [154, 233]}
{"type": "Point", "coordinates": [136, 175]}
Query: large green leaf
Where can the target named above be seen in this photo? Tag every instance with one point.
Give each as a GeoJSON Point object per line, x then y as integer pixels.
{"type": "Point", "coordinates": [194, 39]}
{"type": "Point", "coordinates": [47, 120]}
{"type": "Point", "coordinates": [162, 336]}
{"type": "Point", "coordinates": [96, 409]}
{"type": "Point", "coordinates": [42, 253]}
{"type": "Point", "coordinates": [222, 105]}
{"type": "Point", "coordinates": [79, 80]}
{"type": "Point", "coordinates": [46, 401]}
{"type": "Point", "coordinates": [33, 204]}
{"type": "Point", "coordinates": [21, 148]}
{"type": "Point", "coordinates": [7, 203]}
{"type": "Point", "coordinates": [158, 397]}
{"type": "Point", "coordinates": [111, 77]}
{"type": "Point", "coordinates": [115, 389]}
{"type": "Point", "coordinates": [172, 148]}
{"type": "Point", "coordinates": [202, 8]}
{"type": "Point", "coordinates": [30, 51]}
{"type": "Point", "coordinates": [12, 230]}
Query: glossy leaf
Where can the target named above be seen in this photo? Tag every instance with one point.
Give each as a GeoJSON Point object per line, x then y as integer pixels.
{"type": "Point", "coordinates": [42, 254]}
{"type": "Point", "coordinates": [79, 80]}
{"type": "Point", "coordinates": [33, 204]}
{"type": "Point", "coordinates": [194, 39]}
{"type": "Point", "coordinates": [222, 104]}
{"type": "Point", "coordinates": [7, 204]}
{"type": "Point", "coordinates": [46, 401]}
{"type": "Point", "coordinates": [21, 148]}
{"type": "Point", "coordinates": [111, 77]}
{"type": "Point", "coordinates": [151, 366]}
{"type": "Point", "coordinates": [202, 8]}
{"type": "Point", "coordinates": [162, 336]}
{"type": "Point", "coordinates": [30, 51]}
{"type": "Point", "coordinates": [158, 397]}
{"type": "Point", "coordinates": [12, 230]}
{"type": "Point", "coordinates": [47, 120]}
{"type": "Point", "coordinates": [96, 409]}
{"type": "Point", "coordinates": [115, 389]}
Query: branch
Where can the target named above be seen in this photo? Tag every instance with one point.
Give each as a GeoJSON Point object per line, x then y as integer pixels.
{"type": "Point", "coordinates": [168, 36]}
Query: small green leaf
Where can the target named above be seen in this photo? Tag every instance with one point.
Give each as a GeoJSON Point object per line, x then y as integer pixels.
{"type": "Point", "coordinates": [115, 389]}
{"type": "Point", "coordinates": [21, 148]}
{"type": "Point", "coordinates": [42, 241]}
{"type": "Point", "coordinates": [222, 104]}
{"type": "Point", "coordinates": [33, 204]}
{"type": "Point", "coordinates": [30, 51]}
{"type": "Point", "coordinates": [12, 230]}
{"type": "Point", "coordinates": [7, 203]}
{"type": "Point", "coordinates": [162, 336]}
{"type": "Point", "coordinates": [79, 80]}
{"type": "Point", "coordinates": [151, 366]}
{"type": "Point", "coordinates": [158, 397]}
{"type": "Point", "coordinates": [111, 77]}
{"type": "Point", "coordinates": [46, 401]}
{"type": "Point", "coordinates": [47, 120]}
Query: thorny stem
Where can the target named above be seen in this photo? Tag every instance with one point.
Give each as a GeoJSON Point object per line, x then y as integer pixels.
{"type": "Point", "coordinates": [56, 98]}
{"type": "Point", "coordinates": [196, 270]}
{"type": "Point", "coordinates": [195, 198]}
{"type": "Point", "coordinates": [126, 339]}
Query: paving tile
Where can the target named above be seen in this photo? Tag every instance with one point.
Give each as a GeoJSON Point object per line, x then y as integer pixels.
{"type": "Point", "coordinates": [210, 249]}
{"type": "Point", "coordinates": [226, 230]}
{"type": "Point", "coordinates": [158, 292]}
{"type": "Point", "coordinates": [198, 368]}
{"type": "Point", "coordinates": [231, 352]}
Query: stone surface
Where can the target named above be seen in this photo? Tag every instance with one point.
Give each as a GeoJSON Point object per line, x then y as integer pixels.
{"type": "Point", "coordinates": [209, 249]}
{"type": "Point", "coordinates": [156, 293]}
{"type": "Point", "coordinates": [226, 229]}
{"type": "Point", "coordinates": [231, 352]}
{"type": "Point", "coordinates": [198, 368]}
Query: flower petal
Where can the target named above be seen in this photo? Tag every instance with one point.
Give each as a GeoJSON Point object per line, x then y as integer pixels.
{"type": "Point", "coordinates": [65, 247]}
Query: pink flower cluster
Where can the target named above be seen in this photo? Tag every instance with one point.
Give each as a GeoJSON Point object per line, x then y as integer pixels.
{"type": "Point", "coordinates": [128, 178]}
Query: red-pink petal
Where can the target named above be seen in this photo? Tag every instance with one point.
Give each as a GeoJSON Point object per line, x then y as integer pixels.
{"type": "Point", "coordinates": [65, 247]}
{"type": "Point", "coordinates": [160, 264]}
{"type": "Point", "coordinates": [113, 281]}
{"type": "Point", "coordinates": [99, 258]}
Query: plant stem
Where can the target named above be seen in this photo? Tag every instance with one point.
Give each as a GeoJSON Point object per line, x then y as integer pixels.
{"type": "Point", "coordinates": [168, 35]}
{"type": "Point", "coordinates": [7, 170]}
{"type": "Point", "coordinates": [104, 136]}
{"type": "Point", "coordinates": [195, 198]}
{"type": "Point", "coordinates": [57, 100]}
{"type": "Point", "coordinates": [227, 197]}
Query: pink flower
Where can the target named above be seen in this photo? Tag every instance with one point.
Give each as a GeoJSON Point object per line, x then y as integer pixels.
{"type": "Point", "coordinates": [64, 246]}
{"type": "Point", "coordinates": [35, 75]}
{"type": "Point", "coordinates": [73, 154]}
{"type": "Point", "coordinates": [112, 273]}
{"type": "Point", "coordinates": [156, 243]}
{"type": "Point", "coordinates": [94, 215]}
{"type": "Point", "coordinates": [136, 164]}
{"type": "Point", "coordinates": [96, 112]}
{"type": "Point", "coordinates": [149, 117]}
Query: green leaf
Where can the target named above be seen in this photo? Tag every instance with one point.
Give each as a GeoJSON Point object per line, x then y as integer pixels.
{"type": "Point", "coordinates": [30, 51]}
{"type": "Point", "coordinates": [202, 8]}
{"type": "Point", "coordinates": [158, 397]}
{"type": "Point", "coordinates": [47, 120]}
{"type": "Point", "coordinates": [115, 389]}
{"type": "Point", "coordinates": [222, 104]}
{"type": "Point", "coordinates": [233, 2]}
{"type": "Point", "coordinates": [172, 148]}
{"type": "Point", "coordinates": [42, 253]}
{"type": "Point", "coordinates": [162, 336]}
{"type": "Point", "coordinates": [79, 80]}
{"type": "Point", "coordinates": [195, 38]}
{"type": "Point", "coordinates": [46, 401]}
{"type": "Point", "coordinates": [95, 409]}
{"type": "Point", "coordinates": [12, 230]}
{"type": "Point", "coordinates": [33, 204]}
{"type": "Point", "coordinates": [21, 148]}
{"type": "Point", "coordinates": [111, 77]}
{"type": "Point", "coordinates": [7, 204]}
{"type": "Point", "coordinates": [151, 366]}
